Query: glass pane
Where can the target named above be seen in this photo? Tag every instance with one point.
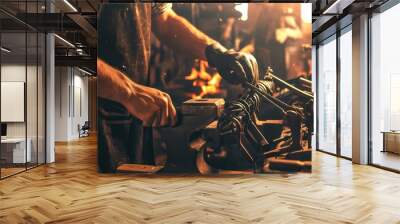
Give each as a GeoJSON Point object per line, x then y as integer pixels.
{"type": "Point", "coordinates": [41, 99]}
{"type": "Point", "coordinates": [385, 89]}
{"type": "Point", "coordinates": [327, 96]}
{"type": "Point", "coordinates": [31, 97]}
{"type": "Point", "coordinates": [13, 86]}
{"type": "Point", "coordinates": [32, 88]}
{"type": "Point", "coordinates": [346, 94]}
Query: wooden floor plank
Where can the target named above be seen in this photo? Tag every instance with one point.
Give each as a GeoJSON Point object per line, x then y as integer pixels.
{"type": "Point", "coordinates": [72, 191]}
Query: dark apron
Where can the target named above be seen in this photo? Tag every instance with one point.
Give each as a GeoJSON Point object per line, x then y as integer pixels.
{"type": "Point", "coordinates": [124, 42]}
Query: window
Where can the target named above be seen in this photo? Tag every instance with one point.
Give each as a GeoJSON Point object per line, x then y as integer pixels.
{"type": "Point", "coordinates": [22, 99]}
{"type": "Point", "coordinates": [346, 93]}
{"type": "Point", "coordinates": [327, 96]}
{"type": "Point", "coordinates": [385, 88]}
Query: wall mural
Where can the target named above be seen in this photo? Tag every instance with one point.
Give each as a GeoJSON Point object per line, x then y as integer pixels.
{"type": "Point", "coordinates": [204, 87]}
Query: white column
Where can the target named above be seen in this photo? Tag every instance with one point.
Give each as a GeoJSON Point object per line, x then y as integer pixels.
{"type": "Point", "coordinates": [360, 90]}
{"type": "Point", "coordinates": [50, 93]}
{"type": "Point", "coordinates": [50, 100]}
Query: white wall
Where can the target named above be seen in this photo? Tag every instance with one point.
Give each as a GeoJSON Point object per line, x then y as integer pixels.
{"type": "Point", "coordinates": [33, 127]}
{"type": "Point", "coordinates": [12, 73]}
{"type": "Point", "coordinates": [16, 72]}
{"type": "Point", "coordinates": [61, 103]}
{"type": "Point", "coordinates": [71, 102]}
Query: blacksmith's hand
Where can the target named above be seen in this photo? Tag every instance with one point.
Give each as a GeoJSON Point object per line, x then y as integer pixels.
{"type": "Point", "coordinates": [235, 67]}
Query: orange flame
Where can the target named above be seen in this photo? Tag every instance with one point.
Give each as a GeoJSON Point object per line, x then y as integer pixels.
{"type": "Point", "coordinates": [209, 84]}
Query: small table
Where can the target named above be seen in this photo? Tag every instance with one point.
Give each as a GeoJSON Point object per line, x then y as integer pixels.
{"type": "Point", "coordinates": [391, 141]}
{"type": "Point", "coordinates": [13, 150]}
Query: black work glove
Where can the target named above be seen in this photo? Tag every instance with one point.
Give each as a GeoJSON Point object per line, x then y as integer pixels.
{"type": "Point", "coordinates": [235, 67]}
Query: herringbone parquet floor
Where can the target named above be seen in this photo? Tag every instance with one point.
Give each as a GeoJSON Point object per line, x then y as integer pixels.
{"type": "Point", "coordinates": [71, 191]}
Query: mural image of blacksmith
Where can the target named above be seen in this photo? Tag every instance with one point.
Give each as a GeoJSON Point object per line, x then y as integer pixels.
{"type": "Point", "coordinates": [128, 107]}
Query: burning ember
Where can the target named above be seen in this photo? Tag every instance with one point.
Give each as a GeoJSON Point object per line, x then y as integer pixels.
{"type": "Point", "coordinates": [208, 83]}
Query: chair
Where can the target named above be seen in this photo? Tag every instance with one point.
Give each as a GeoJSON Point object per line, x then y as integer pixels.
{"type": "Point", "coordinates": [84, 130]}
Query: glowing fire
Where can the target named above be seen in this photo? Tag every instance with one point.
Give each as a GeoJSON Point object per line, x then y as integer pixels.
{"type": "Point", "coordinates": [209, 84]}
